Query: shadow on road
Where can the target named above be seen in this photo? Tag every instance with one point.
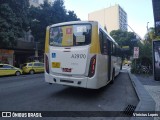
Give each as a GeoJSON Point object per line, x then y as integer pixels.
{"type": "Point", "coordinates": [82, 93]}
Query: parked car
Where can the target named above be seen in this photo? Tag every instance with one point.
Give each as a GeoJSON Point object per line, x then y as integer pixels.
{"type": "Point", "coordinates": [127, 62]}
{"type": "Point", "coordinates": [6, 69]}
{"type": "Point", "coordinates": [33, 67]}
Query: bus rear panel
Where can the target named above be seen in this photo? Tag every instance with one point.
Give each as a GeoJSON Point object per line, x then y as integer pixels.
{"type": "Point", "coordinates": [72, 55]}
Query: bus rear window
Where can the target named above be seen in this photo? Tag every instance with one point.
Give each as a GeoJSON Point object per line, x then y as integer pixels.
{"type": "Point", "coordinates": [74, 35]}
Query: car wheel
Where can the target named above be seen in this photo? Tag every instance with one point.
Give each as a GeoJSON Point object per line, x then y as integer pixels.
{"type": "Point", "coordinates": [31, 72]}
{"type": "Point", "coordinates": [17, 73]}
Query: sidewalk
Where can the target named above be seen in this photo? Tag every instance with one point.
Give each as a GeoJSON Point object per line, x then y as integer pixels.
{"type": "Point", "coordinates": [148, 90]}
{"type": "Point", "coordinates": [152, 87]}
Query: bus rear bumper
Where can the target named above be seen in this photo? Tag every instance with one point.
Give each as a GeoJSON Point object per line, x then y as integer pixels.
{"type": "Point", "coordinates": [67, 80]}
{"type": "Point", "coordinates": [83, 82]}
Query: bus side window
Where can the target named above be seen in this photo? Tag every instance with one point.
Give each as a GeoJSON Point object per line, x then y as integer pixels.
{"type": "Point", "coordinates": [103, 42]}
{"type": "Point", "coordinates": [105, 48]}
{"type": "Point", "coordinates": [119, 52]}
{"type": "Point", "coordinates": [113, 49]}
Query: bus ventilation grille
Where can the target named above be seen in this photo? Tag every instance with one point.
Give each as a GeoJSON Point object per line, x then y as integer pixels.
{"type": "Point", "coordinates": [129, 110]}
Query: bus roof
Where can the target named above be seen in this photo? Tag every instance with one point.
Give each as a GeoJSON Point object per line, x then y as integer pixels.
{"type": "Point", "coordinates": [72, 22]}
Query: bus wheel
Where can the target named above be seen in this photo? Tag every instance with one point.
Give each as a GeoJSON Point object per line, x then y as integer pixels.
{"type": "Point", "coordinates": [31, 72]}
{"type": "Point", "coordinates": [113, 76]}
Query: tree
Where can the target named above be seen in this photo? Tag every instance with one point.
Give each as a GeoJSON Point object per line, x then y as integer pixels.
{"type": "Point", "coordinates": [71, 16]}
{"type": "Point", "coordinates": [13, 21]}
{"type": "Point", "coordinates": [8, 31]}
{"type": "Point", "coordinates": [48, 14]}
{"type": "Point", "coordinates": [145, 53]}
{"type": "Point", "coordinates": [150, 35]}
{"type": "Point", "coordinates": [124, 38]}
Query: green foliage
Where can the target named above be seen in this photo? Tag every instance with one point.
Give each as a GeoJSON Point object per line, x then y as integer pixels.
{"type": "Point", "coordinates": [8, 26]}
{"type": "Point", "coordinates": [16, 17]}
{"type": "Point", "coordinates": [13, 21]}
{"type": "Point", "coordinates": [124, 38]}
{"type": "Point", "coordinates": [151, 35]}
{"type": "Point", "coordinates": [134, 68]}
{"type": "Point", "coordinates": [138, 68]}
{"type": "Point", "coordinates": [48, 14]}
{"type": "Point", "coordinates": [145, 50]}
{"type": "Point", "coordinates": [145, 59]}
{"type": "Point", "coordinates": [71, 16]}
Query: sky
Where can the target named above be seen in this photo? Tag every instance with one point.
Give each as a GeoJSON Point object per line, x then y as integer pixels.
{"type": "Point", "coordinates": [139, 12]}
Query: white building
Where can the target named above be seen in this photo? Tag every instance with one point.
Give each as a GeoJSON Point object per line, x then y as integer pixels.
{"type": "Point", "coordinates": [112, 18]}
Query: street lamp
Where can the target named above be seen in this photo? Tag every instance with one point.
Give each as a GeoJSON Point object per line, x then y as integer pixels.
{"type": "Point", "coordinates": [147, 26]}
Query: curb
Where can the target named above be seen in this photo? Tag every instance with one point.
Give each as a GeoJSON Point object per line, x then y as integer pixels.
{"type": "Point", "coordinates": [146, 102]}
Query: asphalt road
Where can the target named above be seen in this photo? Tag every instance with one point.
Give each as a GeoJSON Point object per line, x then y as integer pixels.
{"type": "Point", "coordinates": [31, 93]}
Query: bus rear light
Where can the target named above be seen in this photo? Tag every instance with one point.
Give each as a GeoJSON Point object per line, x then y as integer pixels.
{"type": "Point", "coordinates": [92, 66]}
{"type": "Point", "coordinates": [46, 64]}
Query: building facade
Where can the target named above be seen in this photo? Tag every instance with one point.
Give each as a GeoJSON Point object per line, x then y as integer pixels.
{"type": "Point", "coordinates": [112, 18]}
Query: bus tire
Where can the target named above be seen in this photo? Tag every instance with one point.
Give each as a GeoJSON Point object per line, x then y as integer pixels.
{"type": "Point", "coordinates": [113, 76]}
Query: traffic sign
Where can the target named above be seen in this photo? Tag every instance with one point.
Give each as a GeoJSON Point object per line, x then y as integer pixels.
{"type": "Point", "coordinates": [136, 52]}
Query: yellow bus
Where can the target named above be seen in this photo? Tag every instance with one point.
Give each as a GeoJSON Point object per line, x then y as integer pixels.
{"type": "Point", "coordinates": [81, 54]}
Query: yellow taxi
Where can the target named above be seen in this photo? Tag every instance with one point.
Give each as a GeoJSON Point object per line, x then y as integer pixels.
{"type": "Point", "coordinates": [6, 69]}
{"type": "Point", "coordinates": [126, 62]}
{"type": "Point", "coordinates": [33, 67]}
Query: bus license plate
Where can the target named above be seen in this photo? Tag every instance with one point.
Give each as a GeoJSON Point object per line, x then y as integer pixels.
{"type": "Point", "coordinates": [55, 64]}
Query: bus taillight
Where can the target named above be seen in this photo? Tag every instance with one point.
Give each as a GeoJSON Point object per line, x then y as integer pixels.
{"type": "Point", "coordinates": [46, 64]}
{"type": "Point", "coordinates": [92, 66]}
